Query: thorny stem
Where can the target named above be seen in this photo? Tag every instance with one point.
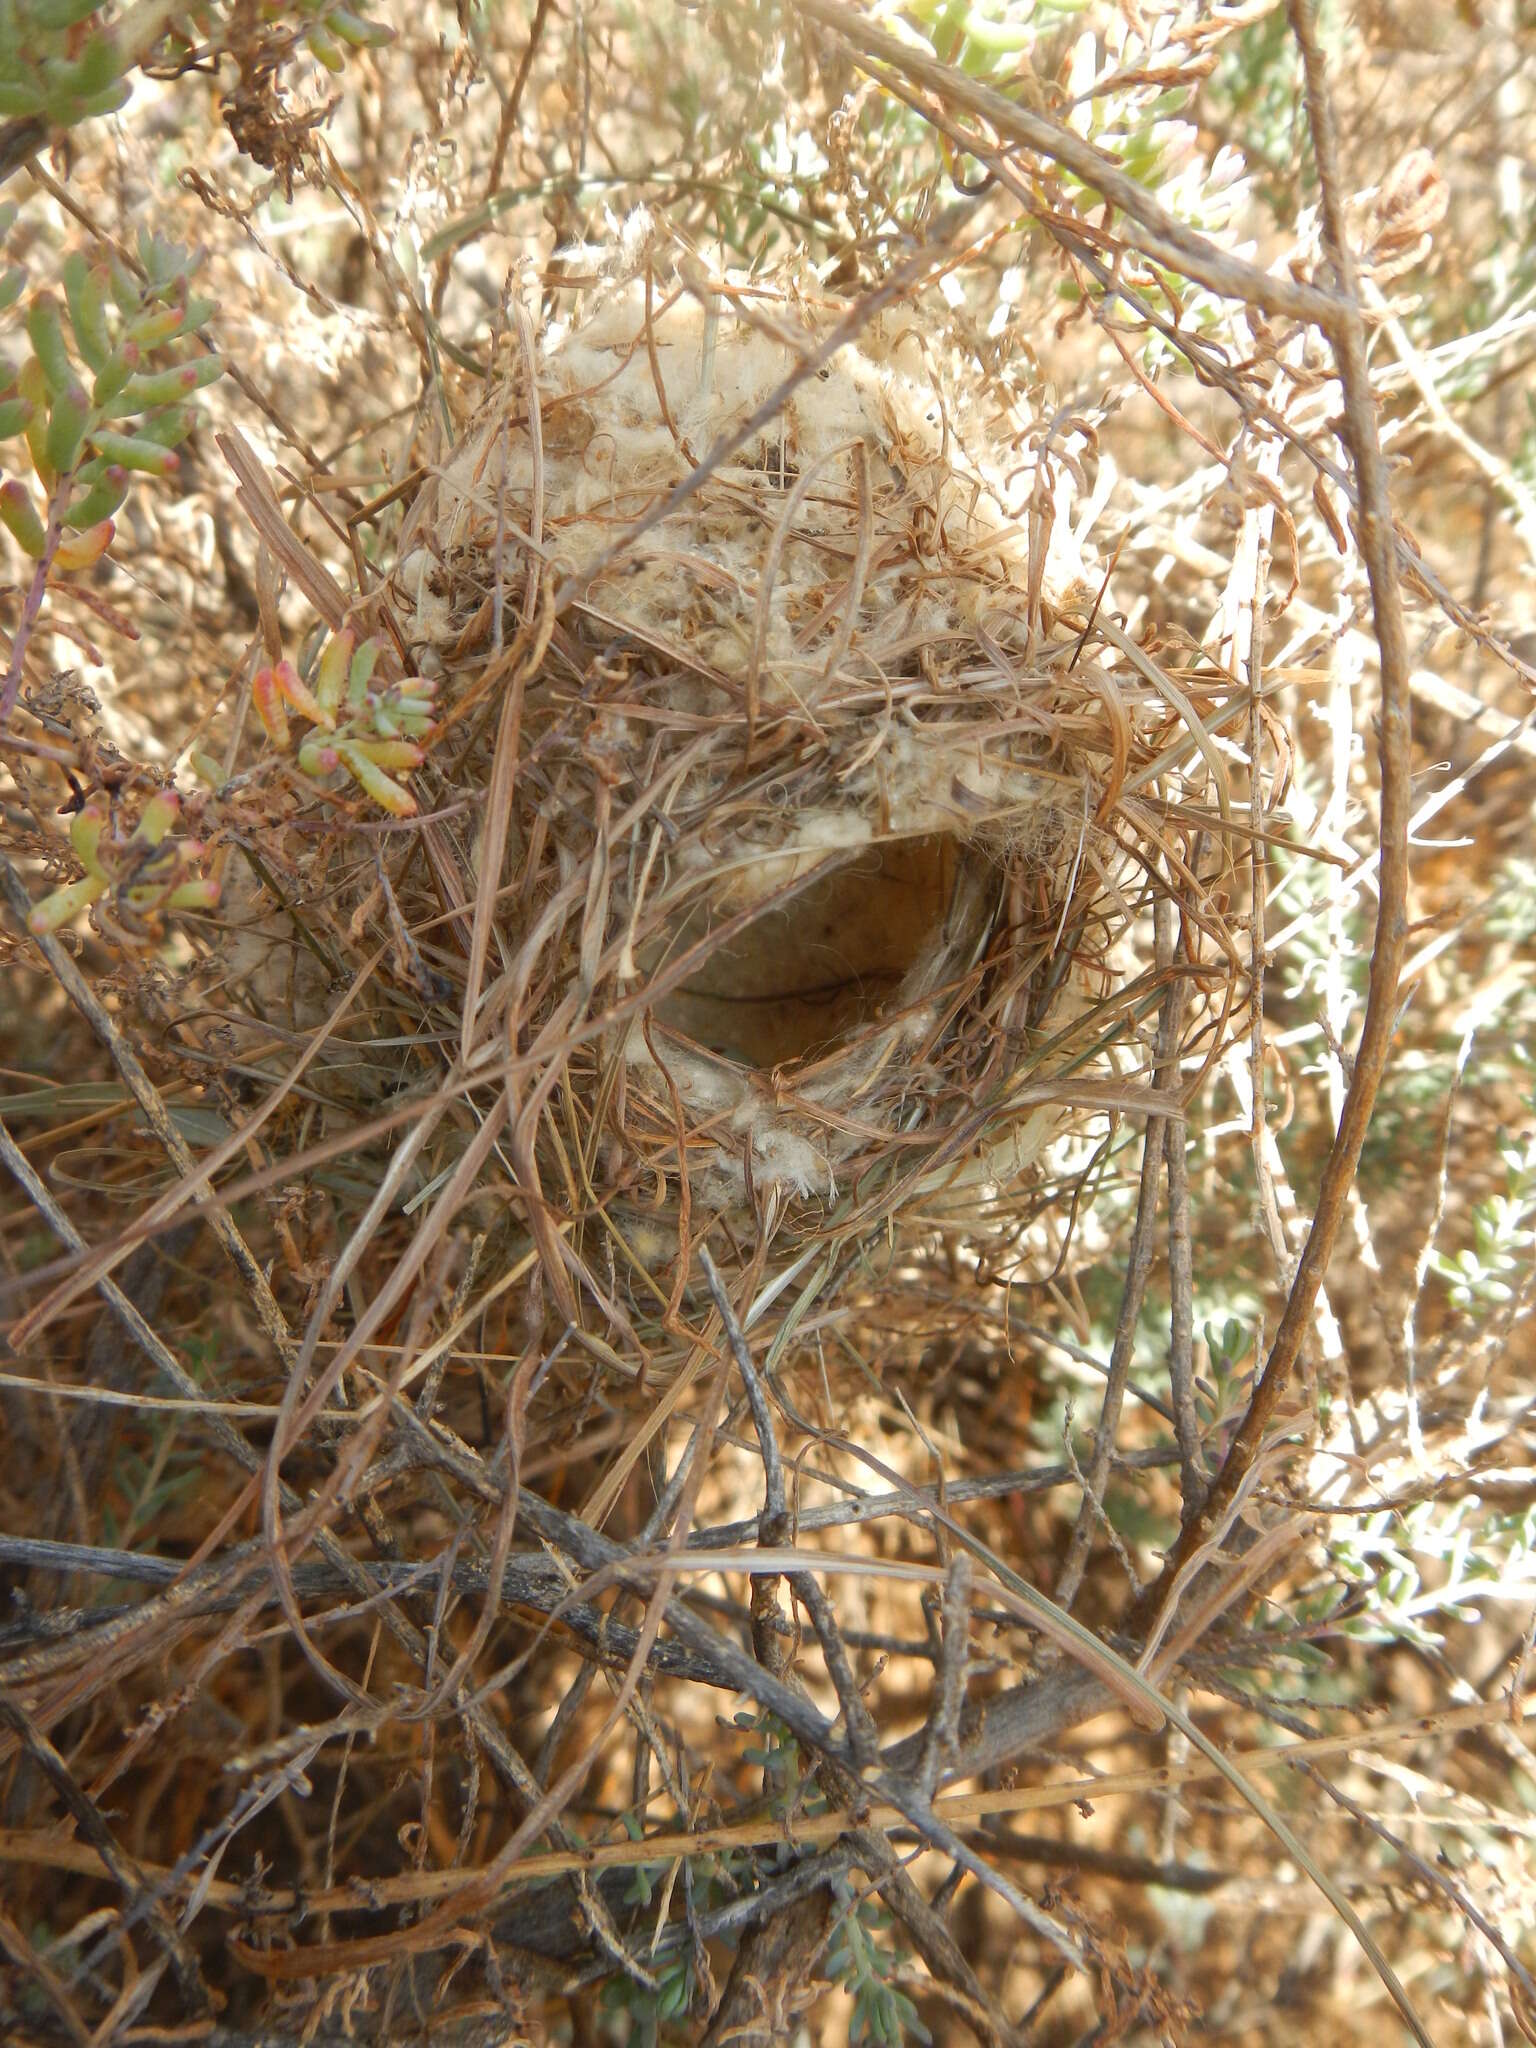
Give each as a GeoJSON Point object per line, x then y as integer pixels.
{"type": "Point", "coordinates": [1013, 1720]}
{"type": "Point", "coordinates": [1346, 332]}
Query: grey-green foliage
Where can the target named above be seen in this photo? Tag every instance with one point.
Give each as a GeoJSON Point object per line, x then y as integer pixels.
{"type": "Point", "coordinates": [1488, 1272]}
{"type": "Point", "coordinates": [653, 2011]}
{"type": "Point", "coordinates": [862, 1963]}
{"type": "Point", "coordinates": [1254, 94]}
{"type": "Point", "coordinates": [1436, 1563]}
{"type": "Point", "coordinates": [860, 1958]}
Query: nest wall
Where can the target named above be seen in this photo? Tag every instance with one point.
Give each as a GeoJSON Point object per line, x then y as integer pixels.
{"type": "Point", "coordinates": [820, 895]}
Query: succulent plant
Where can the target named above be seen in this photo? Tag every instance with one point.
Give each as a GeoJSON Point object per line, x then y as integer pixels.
{"type": "Point", "coordinates": [62, 62]}
{"type": "Point", "coordinates": [94, 402]}
{"type": "Point", "coordinates": [374, 732]}
{"type": "Point", "coordinates": [146, 871]}
{"type": "Point", "coordinates": [59, 66]}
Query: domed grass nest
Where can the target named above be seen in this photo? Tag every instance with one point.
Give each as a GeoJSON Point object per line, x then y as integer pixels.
{"type": "Point", "coordinates": [824, 824]}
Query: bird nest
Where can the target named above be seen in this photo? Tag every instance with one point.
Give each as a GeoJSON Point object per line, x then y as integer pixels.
{"type": "Point", "coordinates": [808, 819]}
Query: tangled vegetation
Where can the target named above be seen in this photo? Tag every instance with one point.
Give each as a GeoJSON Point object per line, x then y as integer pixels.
{"type": "Point", "coordinates": [769, 1119]}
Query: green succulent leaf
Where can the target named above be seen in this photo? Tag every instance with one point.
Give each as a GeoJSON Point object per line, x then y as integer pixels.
{"type": "Point", "coordinates": [66, 429]}
{"type": "Point", "coordinates": [85, 293]}
{"type": "Point", "coordinates": [45, 331]}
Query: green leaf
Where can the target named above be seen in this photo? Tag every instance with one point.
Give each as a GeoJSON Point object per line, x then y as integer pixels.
{"type": "Point", "coordinates": [66, 429]}
{"type": "Point", "coordinates": [105, 494]}
{"type": "Point", "coordinates": [125, 286]}
{"type": "Point", "coordinates": [61, 14]}
{"type": "Point", "coordinates": [168, 387]}
{"type": "Point", "coordinates": [169, 428]}
{"type": "Point", "coordinates": [353, 28]}
{"type": "Point", "coordinates": [18, 515]}
{"type": "Point", "coordinates": [98, 67]}
{"type": "Point", "coordinates": [45, 331]}
{"type": "Point", "coordinates": [85, 292]}
{"type": "Point", "coordinates": [112, 377]}
{"type": "Point", "coordinates": [133, 451]}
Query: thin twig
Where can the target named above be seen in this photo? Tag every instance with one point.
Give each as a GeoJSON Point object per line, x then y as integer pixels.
{"type": "Point", "coordinates": [514, 100]}
{"type": "Point", "coordinates": [159, 1118]}
{"type": "Point", "coordinates": [1138, 1265]}
{"type": "Point", "coordinates": [83, 1810]}
{"type": "Point", "coordinates": [941, 1734]}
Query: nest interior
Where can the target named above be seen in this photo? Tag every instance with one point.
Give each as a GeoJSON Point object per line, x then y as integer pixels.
{"type": "Point", "coordinates": [805, 979]}
{"type": "Point", "coordinates": [814, 842]}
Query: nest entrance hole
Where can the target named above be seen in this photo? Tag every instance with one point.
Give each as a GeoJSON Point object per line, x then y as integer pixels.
{"type": "Point", "coordinates": [807, 976]}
